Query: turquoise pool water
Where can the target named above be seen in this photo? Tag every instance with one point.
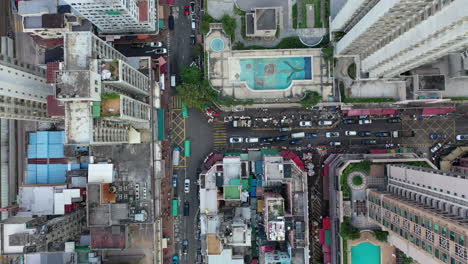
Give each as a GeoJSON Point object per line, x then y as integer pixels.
{"type": "Point", "coordinates": [274, 73]}
{"type": "Point", "coordinates": [365, 253]}
{"type": "Point", "coordinates": [217, 44]}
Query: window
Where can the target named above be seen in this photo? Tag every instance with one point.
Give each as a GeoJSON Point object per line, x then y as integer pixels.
{"type": "Point", "coordinates": [429, 225]}
{"type": "Point", "coordinates": [436, 228]}
{"type": "Point", "coordinates": [429, 249]}
{"type": "Point", "coordinates": [437, 253]}
{"type": "Point", "coordinates": [453, 261]}
{"type": "Point", "coordinates": [423, 222]}
{"type": "Point", "coordinates": [452, 236]}
{"type": "Point", "coordinates": [416, 219]}
{"type": "Point", "coordinates": [423, 245]}
{"type": "Point", "coordinates": [444, 258]}
{"type": "Point", "coordinates": [444, 231]}
{"type": "Point", "coordinates": [461, 240]}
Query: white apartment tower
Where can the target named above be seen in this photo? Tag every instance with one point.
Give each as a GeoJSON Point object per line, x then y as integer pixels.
{"type": "Point", "coordinates": [391, 37]}
{"type": "Point", "coordinates": [23, 90]}
{"type": "Point", "coordinates": [105, 96]}
{"type": "Point", "coordinates": [119, 16]}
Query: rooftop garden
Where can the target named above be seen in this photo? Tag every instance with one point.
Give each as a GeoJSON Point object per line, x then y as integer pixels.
{"type": "Point", "coordinates": [109, 70]}
{"type": "Point", "coordinates": [275, 208]}
{"type": "Point", "coordinates": [110, 105]}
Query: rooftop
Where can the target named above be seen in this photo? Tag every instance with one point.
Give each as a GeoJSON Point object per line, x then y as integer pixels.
{"type": "Point", "coordinates": [112, 237]}
{"type": "Point", "coordinates": [265, 18]}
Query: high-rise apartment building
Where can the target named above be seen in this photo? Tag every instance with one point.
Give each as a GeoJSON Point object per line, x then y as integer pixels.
{"type": "Point", "coordinates": [425, 212]}
{"type": "Point", "coordinates": [119, 16]}
{"type": "Point", "coordinates": [105, 97]}
{"type": "Point", "coordinates": [393, 36]}
{"type": "Point", "coordinates": [23, 90]}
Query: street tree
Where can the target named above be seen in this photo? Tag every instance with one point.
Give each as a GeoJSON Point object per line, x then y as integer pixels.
{"type": "Point", "coordinates": [192, 75]}
{"type": "Point", "coordinates": [196, 95]}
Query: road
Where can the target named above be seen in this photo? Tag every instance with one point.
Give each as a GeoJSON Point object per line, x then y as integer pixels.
{"type": "Point", "coordinates": [180, 55]}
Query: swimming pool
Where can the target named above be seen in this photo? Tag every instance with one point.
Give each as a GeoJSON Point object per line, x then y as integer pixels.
{"type": "Point", "coordinates": [274, 73]}
{"type": "Point", "coordinates": [365, 253]}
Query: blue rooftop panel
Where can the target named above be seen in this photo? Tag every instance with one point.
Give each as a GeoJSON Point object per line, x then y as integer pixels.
{"type": "Point", "coordinates": [42, 137]}
{"type": "Point", "coordinates": [56, 137]}
{"type": "Point", "coordinates": [32, 138]}
{"type": "Point", "coordinates": [42, 151]}
{"type": "Point", "coordinates": [32, 174]}
{"type": "Point", "coordinates": [42, 174]}
{"type": "Point", "coordinates": [32, 151]}
{"type": "Point", "coordinates": [57, 173]}
{"type": "Point", "coordinates": [55, 151]}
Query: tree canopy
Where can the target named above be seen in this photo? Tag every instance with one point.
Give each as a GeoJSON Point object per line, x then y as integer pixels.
{"type": "Point", "coordinates": [347, 231]}
{"type": "Point", "coordinates": [196, 95]}
{"type": "Point", "coordinates": [191, 74]}
{"type": "Point", "coordinates": [381, 235]}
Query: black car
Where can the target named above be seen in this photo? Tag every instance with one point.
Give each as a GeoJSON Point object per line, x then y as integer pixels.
{"type": "Point", "coordinates": [394, 120]}
{"type": "Point", "coordinates": [266, 139]}
{"type": "Point", "coordinates": [192, 7]}
{"type": "Point", "coordinates": [186, 208]}
{"type": "Point", "coordinates": [368, 142]}
{"type": "Point", "coordinates": [382, 134]}
{"type": "Point", "coordinates": [437, 136]}
{"type": "Point", "coordinates": [311, 135]}
{"type": "Point", "coordinates": [185, 246]}
{"type": "Point", "coordinates": [364, 133]}
{"type": "Point", "coordinates": [282, 138]}
{"type": "Point", "coordinates": [192, 39]}
{"type": "Point", "coordinates": [296, 142]}
{"type": "Point", "coordinates": [349, 121]}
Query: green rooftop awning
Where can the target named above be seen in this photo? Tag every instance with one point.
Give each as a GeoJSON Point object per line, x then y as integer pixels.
{"type": "Point", "coordinates": [160, 124]}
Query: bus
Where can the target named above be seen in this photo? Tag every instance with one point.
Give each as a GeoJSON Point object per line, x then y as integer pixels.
{"type": "Point", "coordinates": [175, 207]}
{"type": "Point", "coordinates": [184, 110]}
{"type": "Point", "coordinates": [187, 148]}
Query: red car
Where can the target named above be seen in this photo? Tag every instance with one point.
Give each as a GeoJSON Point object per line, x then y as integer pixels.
{"type": "Point", "coordinates": [187, 10]}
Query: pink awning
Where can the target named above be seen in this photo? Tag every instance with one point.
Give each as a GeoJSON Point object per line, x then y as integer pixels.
{"type": "Point", "coordinates": [358, 112]}
{"type": "Point", "coordinates": [378, 151]}
{"type": "Point", "coordinates": [437, 111]}
{"type": "Point", "coordinates": [326, 224]}
{"type": "Point", "coordinates": [322, 236]}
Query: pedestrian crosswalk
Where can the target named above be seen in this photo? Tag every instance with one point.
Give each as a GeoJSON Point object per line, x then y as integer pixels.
{"type": "Point", "coordinates": [219, 135]}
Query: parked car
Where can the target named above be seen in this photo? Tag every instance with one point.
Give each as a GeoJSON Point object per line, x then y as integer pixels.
{"type": "Point", "coordinates": [282, 138]}
{"type": "Point", "coordinates": [158, 51]}
{"type": "Point", "coordinates": [325, 123]}
{"type": "Point", "coordinates": [187, 185]}
{"type": "Point", "coordinates": [296, 142]}
{"type": "Point", "coordinates": [364, 133]}
{"type": "Point", "coordinates": [368, 142]}
{"type": "Point", "coordinates": [193, 40]}
{"type": "Point", "coordinates": [436, 147]}
{"type": "Point", "coordinates": [382, 134]}
{"type": "Point", "coordinates": [186, 208]}
{"type": "Point", "coordinates": [251, 140]}
{"type": "Point", "coordinates": [335, 143]}
{"type": "Point", "coordinates": [192, 7]}
{"type": "Point", "coordinates": [266, 139]}
{"type": "Point", "coordinates": [332, 134]}
{"type": "Point", "coordinates": [394, 120]}
{"type": "Point", "coordinates": [462, 137]}
{"type": "Point", "coordinates": [194, 24]}
{"type": "Point", "coordinates": [365, 121]}
{"type": "Point", "coordinates": [437, 136]}
{"type": "Point", "coordinates": [155, 44]}
{"type": "Point", "coordinates": [174, 180]}
{"type": "Point", "coordinates": [187, 10]}
{"type": "Point", "coordinates": [350, 133]}
{"type": "Point", "coordinates": [311, 135]}
{"type": "Point", "coordinates": [284, 129]}
{"type": "Point", "coordinates": [175, 259]}
{"type": "Point", "coordinates": [305, 123]}
{"type": "Point", "coordinates": [349, 121]}
{"type": "Point", "coordinates": [185, 246]}
{"type": "Point", "coordinates": [236, 140]}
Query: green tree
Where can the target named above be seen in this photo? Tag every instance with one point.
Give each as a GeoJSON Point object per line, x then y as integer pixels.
{"type": "Point", "coordinates": [196, 95]}
{"type": "Point", "coordinates": [191, 74]}
{"type": "Point", "coordinates": [229, 26]}
{"type": "Point", "coordinates": [407, 260]}
{"type": "Point", "coordinates": [381, 235]}
{"type": "Point", "coordinates": [197, 50]}
{"type": "Point", "coordinates": [347, 231]}
{"type": "Point", "coordinates": [311, 99]}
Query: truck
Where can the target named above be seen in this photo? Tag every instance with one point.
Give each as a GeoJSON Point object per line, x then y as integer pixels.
{"type": "Point", "coordinates": [403, 133]}
{"type": "Point", "coordinates": [175, 156]}
{"type": "Point", "coordinates": [298, 135]}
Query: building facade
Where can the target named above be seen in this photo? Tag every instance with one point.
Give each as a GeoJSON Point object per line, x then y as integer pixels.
{"type": "Point", "coordinates": [392, 37]}
{"type": "Point", "coordinates": [23, 90]}
{"type": "Point", "coordinates": [119, 16]}
{"type": "Point", "coordinates": [425, 212]}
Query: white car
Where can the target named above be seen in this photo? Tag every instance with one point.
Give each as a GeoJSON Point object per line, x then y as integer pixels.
{"type": "Point", "coordinates": [332, 134]}
{"type": "Point", "coordinates": [187, 186]}
{"type": "Point", "coordinates": [462, 137]}
{"type": "Point", "coordinates": [155, 44]}
{"type": "Point", "coordinates": [365, 121]}
{"type": "Point", "coordinates": [350, 133]}
{"type": "Point", "coordinates": [335, 143]}
{"type": "Point", "coordinates": [435, 148]}
{"type": "Point", "coordinates": [251, 140]}
{"type": "Point", "coordinates": [305, 123]}
{"type": "Point", "coordinates": [236, 140]}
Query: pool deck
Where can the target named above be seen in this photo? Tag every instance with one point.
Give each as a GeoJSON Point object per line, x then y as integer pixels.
{"type": "Point", "coordinates": [221, 69]}
{"type": "Point", "coordinates": [387, 252]}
